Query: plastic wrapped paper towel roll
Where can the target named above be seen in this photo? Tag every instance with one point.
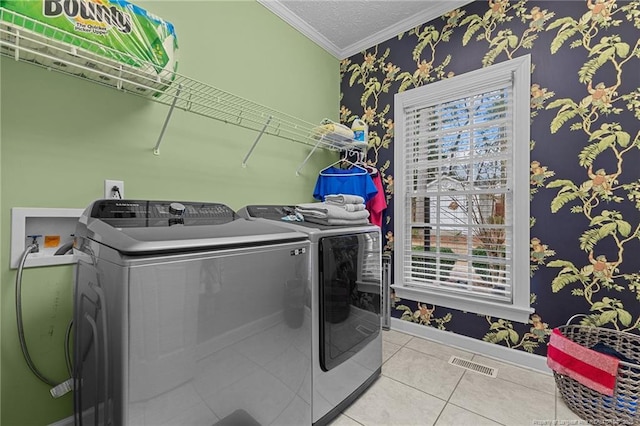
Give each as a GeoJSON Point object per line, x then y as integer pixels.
{"type": "Point", "coordinates": [111, 31]}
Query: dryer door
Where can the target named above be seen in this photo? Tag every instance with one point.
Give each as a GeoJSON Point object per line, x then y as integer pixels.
{"type": "Point", "coordinates": [350, 288]}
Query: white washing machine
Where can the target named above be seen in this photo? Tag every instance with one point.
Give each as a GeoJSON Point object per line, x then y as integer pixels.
{"type": "Point", "coordinates": [186, 314]}
{"type": "Point", "coordinates": [346, 282]}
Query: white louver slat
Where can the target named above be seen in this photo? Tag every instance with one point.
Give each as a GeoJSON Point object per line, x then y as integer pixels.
{"type": "Point", "coordinates": [458, 186]}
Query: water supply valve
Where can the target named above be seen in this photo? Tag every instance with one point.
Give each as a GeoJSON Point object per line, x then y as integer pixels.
{"type": "Point", "coordinates": [36, 249]}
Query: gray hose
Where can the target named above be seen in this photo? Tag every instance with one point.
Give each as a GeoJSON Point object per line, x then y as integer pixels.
{"type": "Point", "coordinates": [67, 350]}
{"type": "Point", "coordinates": [23, 343]}
{"type": "Point", "coordinates": [64, 249]}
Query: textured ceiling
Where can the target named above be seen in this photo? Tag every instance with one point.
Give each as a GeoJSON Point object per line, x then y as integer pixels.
{"type": "Point", "coordinates": [346, 27]}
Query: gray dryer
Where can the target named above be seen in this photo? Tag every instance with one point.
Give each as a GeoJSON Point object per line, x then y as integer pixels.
{"type": "Point", "coordinates": [346, 288]}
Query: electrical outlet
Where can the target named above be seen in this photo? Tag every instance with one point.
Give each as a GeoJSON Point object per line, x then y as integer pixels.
{"type": "Point", "coordinates": [113, 188]}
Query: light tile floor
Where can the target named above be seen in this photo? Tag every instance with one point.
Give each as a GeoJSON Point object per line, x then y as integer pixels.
{"type": "Point", "coordinates": [418, 387]}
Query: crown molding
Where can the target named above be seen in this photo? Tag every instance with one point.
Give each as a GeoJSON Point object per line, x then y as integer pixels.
{"type": "Point", "coordinates": [438, 9]}
{"type": "Point", "coordinates": [294, 20]}
{"type": "Point", "coordinates": [432, 13]}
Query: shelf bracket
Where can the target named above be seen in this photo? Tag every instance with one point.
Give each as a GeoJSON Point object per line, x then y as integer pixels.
{"type": "Point", "coordinates": [246, 157]}
{"type": "Point", "coordinates": [309, 155]}
{"type": "Point", "coordinates": [156, 150]}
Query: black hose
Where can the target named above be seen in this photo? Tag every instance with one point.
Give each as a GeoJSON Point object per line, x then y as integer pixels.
{"type": "Point", "coordinates": [21, 338]}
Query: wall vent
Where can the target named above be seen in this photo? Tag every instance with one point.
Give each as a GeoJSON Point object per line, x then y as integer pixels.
{"type": "Point", "coordinates": [474, 366]}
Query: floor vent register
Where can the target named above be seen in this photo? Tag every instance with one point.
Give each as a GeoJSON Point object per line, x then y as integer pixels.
{"type": "Point", "coordinates": [474, 366]}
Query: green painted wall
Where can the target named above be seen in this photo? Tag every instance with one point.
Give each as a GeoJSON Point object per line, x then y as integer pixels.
{"type": "Point", "coordinates": [1, 242]}
{"type": "Point", "coordinates": [61, 137]}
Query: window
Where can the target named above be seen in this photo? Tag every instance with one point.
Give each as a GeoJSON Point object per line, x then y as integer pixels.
{"type": "Point", "coordinates": [461, 210]}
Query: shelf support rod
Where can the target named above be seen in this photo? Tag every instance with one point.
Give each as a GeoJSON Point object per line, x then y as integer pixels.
{"type": "Point", "coordinates": [309, 156]}
{"type": "Point", "coordinates": [17, 52]}
{"type": "Point", "coordinates": [246, 157]}
{"type": "Point", "coordinates": [119, 84]}
{"type": "Point", "coordinates": [156, 150]}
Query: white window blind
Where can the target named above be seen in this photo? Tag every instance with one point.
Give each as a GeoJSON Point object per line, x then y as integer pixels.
{"type": "Point", "coordinates": [455, 190]}
{"type": "Point", "coordinates": [458, 175]}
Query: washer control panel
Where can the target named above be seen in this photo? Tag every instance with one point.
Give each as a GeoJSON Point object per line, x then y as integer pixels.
{"type": "Point", "coordinates": [137, 213]}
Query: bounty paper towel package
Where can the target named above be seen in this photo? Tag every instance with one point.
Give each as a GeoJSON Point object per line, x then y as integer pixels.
{"type": "Point", "coordinates": [104, 37]}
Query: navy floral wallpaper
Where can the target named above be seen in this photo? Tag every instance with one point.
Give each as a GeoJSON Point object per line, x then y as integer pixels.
{"type": "Point", "coordinates": [585, 150]}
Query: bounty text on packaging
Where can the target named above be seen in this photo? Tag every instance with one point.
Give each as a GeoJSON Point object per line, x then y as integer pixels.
{"type": "Point", "coordinates": [111, 34]}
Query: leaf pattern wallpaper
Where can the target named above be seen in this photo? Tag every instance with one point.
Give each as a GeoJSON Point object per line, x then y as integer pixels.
{"type": "Point", "coordinates": [584, 159]}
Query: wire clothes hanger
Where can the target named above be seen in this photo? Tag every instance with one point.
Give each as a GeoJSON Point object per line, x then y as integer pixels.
{"type": "Point", "coordinates": [361, 161]}
{"type": "Point", "coordinates": [357, 170]}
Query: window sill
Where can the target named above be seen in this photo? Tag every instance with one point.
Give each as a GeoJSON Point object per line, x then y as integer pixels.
{"type": "Point", "coordinates": [465, 304]}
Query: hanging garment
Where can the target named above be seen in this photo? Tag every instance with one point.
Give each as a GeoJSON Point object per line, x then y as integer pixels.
{"type": "Point", "coordinates": [377, 205]}
{"type": "Point", "coordinates": [344, 181]}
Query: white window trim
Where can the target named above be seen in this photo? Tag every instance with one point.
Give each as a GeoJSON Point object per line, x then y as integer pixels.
{"type": "Point", "coordinates": [519, 70]}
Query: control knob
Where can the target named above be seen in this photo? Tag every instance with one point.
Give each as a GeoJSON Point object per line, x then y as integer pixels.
{"type": "Point", "coordinates": [176, 209]}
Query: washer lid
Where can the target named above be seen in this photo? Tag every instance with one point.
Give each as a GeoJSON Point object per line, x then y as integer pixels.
{"type": "Point", "coordinates": [138, 227]}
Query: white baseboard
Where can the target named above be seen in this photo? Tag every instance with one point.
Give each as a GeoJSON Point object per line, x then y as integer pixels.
{"type": "Point", "coordinates": [491, 350]}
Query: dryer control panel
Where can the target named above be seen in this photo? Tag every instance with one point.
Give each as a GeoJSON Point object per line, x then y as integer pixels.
{"type": "Point", "coordinates": [273, 212]}
{"type": "Point", "coordinates": [137, 213]}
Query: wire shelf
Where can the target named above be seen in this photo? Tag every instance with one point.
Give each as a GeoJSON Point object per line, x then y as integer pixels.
{"type": "Point", "coordinates": [27, 40]}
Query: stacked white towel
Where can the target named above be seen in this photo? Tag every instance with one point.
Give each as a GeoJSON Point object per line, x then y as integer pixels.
{"type": "Point", "coordinates": [337, 221]}
{"type": "Point", "coordinates": [342, 199]}
{"type": "Point", "coordinates": [329, 208]}
{"type": "Point", "coordinates": [336, 210]}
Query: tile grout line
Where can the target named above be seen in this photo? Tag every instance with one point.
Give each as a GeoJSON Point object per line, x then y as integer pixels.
{"type": "Point", "coordinates": [401, 345]}
{"type": "Point", "coordinates": [415, 388]}
{"type": "Point", "coordinates": [447, 401]}
{"type": "Point", "coordinates": [428, 354]}
{"type": "Point", "coordinates": [393, 354]}
{"type": "Point", "coordinates": [384, 362]}
{"type": "Point", "coordinates": [463, 408]}
{"type": "Point", "coordinates": [477, 414]}
{"type": "Point", "coordinates": [350, 418]}
{"type": "Point", "coordinates": [420, 390]}
{"type": "Point", "coordinates": [426, 393]}
{"type": "Point", "coordinates": [509, 380]}
{"type": "Point", "coordinates": [555, 404]}
{"type": "Point", "coordinates": [443, 408]}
